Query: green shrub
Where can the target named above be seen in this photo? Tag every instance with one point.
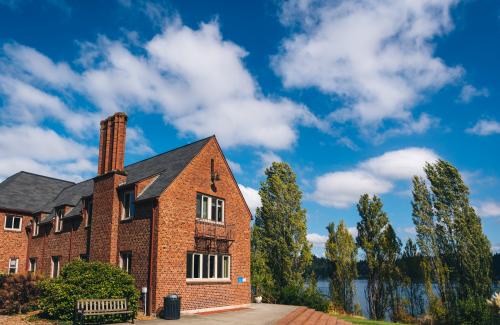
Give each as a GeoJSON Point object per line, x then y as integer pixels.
{"type": "Point", "coordinates": [295, 295]}
{"type": "Point", "coordinates": [18, 293]}
{"type": "Point", "coordinates": [85, 280]}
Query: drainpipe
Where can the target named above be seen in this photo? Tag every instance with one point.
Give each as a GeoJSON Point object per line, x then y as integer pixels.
{"type": "Point", "coordinates": [151, 252]}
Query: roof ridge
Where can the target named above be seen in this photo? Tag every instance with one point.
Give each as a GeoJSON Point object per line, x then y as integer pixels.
{"type": "Point", "coordinates": [44, 176]}
{"type": "Point", "coordinates": [160, 154]}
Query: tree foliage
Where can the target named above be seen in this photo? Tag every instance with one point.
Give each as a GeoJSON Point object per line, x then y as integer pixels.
{"type": "Point", "coordinates": [456, 252]}
{"type": "Point", "coordinates": [341, 251]}
{"type": "Point", "coordinates": [381, 247]}
{"type": "Point", "coordinates": [413, 279]}
{"type": "Point", "coordinates": [280, 250]}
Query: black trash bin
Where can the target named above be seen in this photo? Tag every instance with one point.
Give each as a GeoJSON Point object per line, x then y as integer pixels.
{"type": "Point", "coordinates": [172, 307]}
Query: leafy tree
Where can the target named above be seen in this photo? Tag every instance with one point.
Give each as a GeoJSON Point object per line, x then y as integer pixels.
{"type": "Point", "coordinates": [391, 274]}
{"type": "Point", "coordinates": [341, 251]}
{"type": "Point", "coordinates": [413, 278]}
{"type": "Point", "coordinates": [377, 239]}
{"type": "Point", "coordinates": [456, 252]}
{"type": "Point", "coordinates": [279, 233]}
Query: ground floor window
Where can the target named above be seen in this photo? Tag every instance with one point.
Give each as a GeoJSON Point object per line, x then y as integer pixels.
{"type": "Point", "coordinates": [32, 266]}
{"type": "Point", "coordinates": [13, 265]}
{"type": "Point", "coordinates": [55, 267]}
{"type": "Point", "coordinates": [208, 266]}
{"type": "Point", "coordinates": [126, 261]}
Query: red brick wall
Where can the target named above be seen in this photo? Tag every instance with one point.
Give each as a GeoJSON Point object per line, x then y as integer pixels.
{"type": "Point", "coordinates": [68, 244]}
{"type": "Point", "coordinates": [13, 243]}
{"type": "Point", "coordinates": [105, 218]}
{"type": "Point", "coordinates": [175, 235]}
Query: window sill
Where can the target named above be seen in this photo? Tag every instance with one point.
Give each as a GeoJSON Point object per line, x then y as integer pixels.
{"type": "Point", "coordinates": [208, 281]}
{"type": "Point", "coordinates": [12, 230]}
{"type": "Point", "coordinates": [200, 220]}
{"type": "Point", "coordinates": [127, 220]}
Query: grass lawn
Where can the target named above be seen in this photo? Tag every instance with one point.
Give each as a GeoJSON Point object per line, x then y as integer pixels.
{"type": "Point", "coordinates": [364, 321]}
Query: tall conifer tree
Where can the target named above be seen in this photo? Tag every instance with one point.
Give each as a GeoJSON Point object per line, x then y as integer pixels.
{"type": "Point", "coordinates": [279, 233]}
{"type": "Point", "coordinates": [341, 251]}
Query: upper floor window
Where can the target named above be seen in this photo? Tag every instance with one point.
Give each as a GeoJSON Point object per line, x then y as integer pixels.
{"type": "Point", "coordinates": [209, 208]}
{"type": "Point", "coordinates": [128, 208]}
{"type": "Point", "coordinates": [126, 261]}
{"type": "Point", "coordinates": [13, 265]}
{"type": "Point", "coordinates": [36, 226]}
{"type": "Point", "coordinates": [13, 222]}
{"type": "Point", "coordinates": [88, 215]}
{"type": "Point", "coordinates": [59, 221]}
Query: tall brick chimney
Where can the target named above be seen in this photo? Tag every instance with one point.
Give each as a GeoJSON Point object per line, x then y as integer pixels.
{"type": "Point", "coordinates": [106, 201]}
{"type": "Point", "coordinates": [112, 143]}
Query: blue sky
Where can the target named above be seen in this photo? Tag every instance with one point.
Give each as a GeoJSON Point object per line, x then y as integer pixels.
{"type": "Point", "coordinates": [356, 96]}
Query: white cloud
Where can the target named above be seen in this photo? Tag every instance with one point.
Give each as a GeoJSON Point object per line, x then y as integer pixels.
{"type": "Point", "coordinates": [469, 92]}
{"type": "Point", "coordinates": [376, 55]}
{"type": "Point", "coordinates": [267, 158]}
{"type": "Point", "coordinates": [252, 197]}
{"type": "Point", "coordinates": [341, 189]}
{"type": "Point", "coordinates": [193, 77]}
{"type": "Point", "coordinates": [400, 164]}
{"type": "Point", "coordinates": [235, 167]}
{"type": "Point", "coordinates": [137, 143]}
{"type": "Point", "coordinates": [45, 152]}
{"type": "Point", "coordinates": [488, 209]}
{"type": "Point", "coordinates": [353, 231]}
{"type": "Point", "coordinates": [485, 127]}
{"type": "Point", "coordinates": [317, 240]}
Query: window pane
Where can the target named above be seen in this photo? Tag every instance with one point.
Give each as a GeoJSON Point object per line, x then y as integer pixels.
{"type": "Point", "coordinates": [226, 266]}
{"type": "Point", "coordinates": [17, 222]}
{"type": "Point", "coordinates": [9, 222]}
{"type": "Point", "coordinates": [220, 210]}
{"type": "Point", "coordinates": [214, 210]}
{"type": "Point", "coordinates": [212, 266]}
{"type": "Point", "coordinates": [198, 206]}
{"type": "Point", "coordinates": [197, 261]}
{"type": "Point", "coordinates": [126, 206]}
{"type": "Point", "coordinates": [204, 207]}
{"type": "Point", "coordinates": [189, 266]}
{"type": "Point", "coordinates": [219, 266]}
{"type": "Point", "coordinates": [205, 266]}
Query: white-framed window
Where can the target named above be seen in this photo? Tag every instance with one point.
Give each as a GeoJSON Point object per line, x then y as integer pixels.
{"type": "Point", "coordinates": [88, 217]}
{"type": "Point", "coordinates": [54, 267]}
{"type": "Point", "coordinates": [207, 266]}
{"type": "Point", "coordinates": [32, 265]}
{"type": "Point", "coordinates": [128, 207]}
{"type": "Point", "coordinates": [13, 265]}
{"type": "Point", "coordinates": [209, 208]}
{"type": "Point", "coordinates": [59, 220]}
{"type": "Point", "coordinates": [13, 222]}
{"type": "Point", "coordinates": [36, 226]}
{"type": "Point", "coordinates": [126, 261]}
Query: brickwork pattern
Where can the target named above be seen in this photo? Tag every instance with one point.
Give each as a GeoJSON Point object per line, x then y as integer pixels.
{"type": "Point", "coordinates": [13, 244]}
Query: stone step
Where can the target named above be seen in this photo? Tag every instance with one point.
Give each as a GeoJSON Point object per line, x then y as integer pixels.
{"type": "Point", "coordinates": [307, 316]}
{"type": "Point", "coordinates": [302, 318]}
{"type": "Point", "coordinates": [291, 316]}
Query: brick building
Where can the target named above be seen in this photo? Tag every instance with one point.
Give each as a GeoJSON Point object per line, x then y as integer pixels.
{"type": "Point", "coordinates": [176, 221]}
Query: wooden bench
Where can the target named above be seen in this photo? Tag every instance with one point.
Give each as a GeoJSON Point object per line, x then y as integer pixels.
{"type": "Point", "coordinates": [100, 307]}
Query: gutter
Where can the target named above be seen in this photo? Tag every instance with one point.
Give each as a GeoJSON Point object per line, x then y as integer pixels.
{"type": "Point", "coordinates": [151, 252]}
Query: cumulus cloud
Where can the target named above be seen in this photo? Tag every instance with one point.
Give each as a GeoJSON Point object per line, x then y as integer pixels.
{"type": "Point", "coordinates": [485, 127]}
{"type": "Point", "coordinates": [376, 55]}
{"type": "Point", "coordinates": [252, 197]}
{"type": "Point", "coordinates": [469, 92]}
{"type": "Point", "coordinates": [235, 167]}
{"type": "Point", "coordinates": [317, 240]}
{"type": "Point", "coordinates": [137, 142]}
{"type": "Point", "coordinates": [341, 189]}
{"type": "Point", "coordinates": [45, 152]}
{"type": "Point", "coordinates": [488, 209]}
{"type": "Point", "coordinates": [193, 77]}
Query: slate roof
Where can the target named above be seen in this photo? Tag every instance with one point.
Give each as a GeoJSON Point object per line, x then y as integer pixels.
{"type": "Point", "coordinates": [27, 192]}
{"type": "Point", "coordinates": [42, 194]}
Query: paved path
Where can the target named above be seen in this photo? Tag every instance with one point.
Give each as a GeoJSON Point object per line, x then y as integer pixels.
{"type": "Point", "coordinates": [256, 314]}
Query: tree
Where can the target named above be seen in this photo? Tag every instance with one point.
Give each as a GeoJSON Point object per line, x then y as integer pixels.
{"type": "Point", "coordinates": [391, 274]}
{"type": "Point", "coordinates": [413, 278]}
{"type": "Point", "coordinates": [341, 251]}
{"type": "Point", "coordinates": [456, 252]}
{"type": "Point", "coordinates": [376, 240]}
{"type": "Point", "coordinates": [279, 234]}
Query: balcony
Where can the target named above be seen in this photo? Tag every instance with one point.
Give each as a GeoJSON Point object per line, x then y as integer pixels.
{"type": "Point", "coordinates": [213, 237]}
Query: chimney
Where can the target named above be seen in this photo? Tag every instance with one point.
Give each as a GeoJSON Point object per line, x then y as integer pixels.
{"type": "Point", "coordinates": [112, 143]}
